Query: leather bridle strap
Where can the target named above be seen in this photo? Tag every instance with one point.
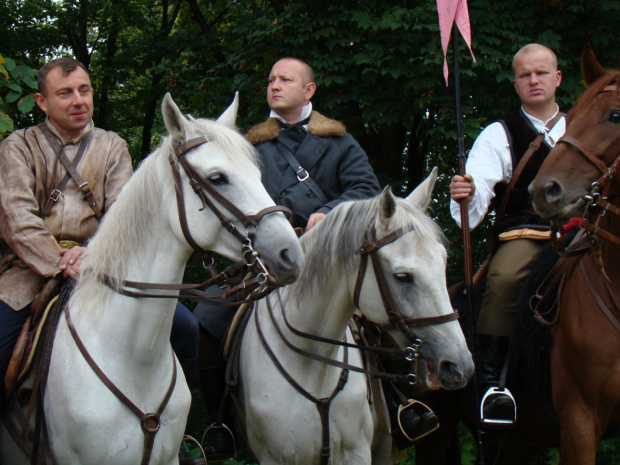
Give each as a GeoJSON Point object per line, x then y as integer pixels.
{"type": "Point", "coordinates": [149, 422]}
{"type": "Point", "coordinates": [611, 314]}
{"type": "Point", "coordinates": [395, 317]}
{"type": "Point", "coordinates": [322, 404]}
{"type": "Point", "coordinates": [602, 167]}
{"type": "Point", "coordinates": [209, 196]}
{"type": "Point", "coordinates": [326, 360]}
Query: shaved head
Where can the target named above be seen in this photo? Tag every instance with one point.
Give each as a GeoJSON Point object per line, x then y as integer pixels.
{"type": "Point", "coordinates": [533, 48]}
{"type": "Point", "coordinates": [305, 70]}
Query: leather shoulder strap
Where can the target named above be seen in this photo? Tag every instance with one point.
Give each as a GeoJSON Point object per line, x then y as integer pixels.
{"type": "Point", "coordinates": [533, 147]}
{"type": "Point", "coordinates": [72, 173]}
{"type": "Point", "coordinates": [302, 175]}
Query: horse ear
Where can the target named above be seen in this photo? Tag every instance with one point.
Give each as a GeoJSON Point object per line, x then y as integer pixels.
{"type": "Point", "coordinates": [422, 195]}
{"type": "Point", "coordinates": [173, 118]}
{"type": "Point", "coordinates": [591, 69]}
{"type": "Point", "coordinates": [229, 116]}
{"type": "Point", "coordinates": [387, 206]}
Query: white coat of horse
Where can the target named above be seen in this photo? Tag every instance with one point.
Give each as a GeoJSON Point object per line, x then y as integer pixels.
{"type": "Point", "coordinates": [283, 426]}
{"type": "Point", "coordinates": [141, 239]}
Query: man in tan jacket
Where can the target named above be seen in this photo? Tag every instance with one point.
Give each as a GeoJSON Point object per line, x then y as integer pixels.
{"type": "Point", "coordinates": [45, 218]}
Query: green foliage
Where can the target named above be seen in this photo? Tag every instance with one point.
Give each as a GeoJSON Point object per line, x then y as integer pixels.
{"type": "Point", "coordinates": [378, 67]}
{"type": "Point", "coordinates": [17, 85]}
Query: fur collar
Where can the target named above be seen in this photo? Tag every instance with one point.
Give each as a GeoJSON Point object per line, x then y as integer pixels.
{"type": "Point", "coordinates": [318, 125]}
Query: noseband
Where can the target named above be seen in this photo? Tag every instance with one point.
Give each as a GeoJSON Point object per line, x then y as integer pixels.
{"type": "Point", "coordinates": [395, 317]}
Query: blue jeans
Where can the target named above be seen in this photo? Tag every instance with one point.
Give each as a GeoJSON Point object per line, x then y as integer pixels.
{"type": "Point", "coordinates": [11, 323]}
{"type": "Point", "coordinates": [185, 333]}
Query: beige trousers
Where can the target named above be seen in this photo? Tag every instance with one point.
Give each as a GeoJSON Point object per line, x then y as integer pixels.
{"type": "Point", "coordinates": [507, 272]}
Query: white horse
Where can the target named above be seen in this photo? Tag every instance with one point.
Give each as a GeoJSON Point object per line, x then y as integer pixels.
{"type": "Point", "coordinates": [141, 239]}
{"type": "Point", "coordinates": [282, 421]}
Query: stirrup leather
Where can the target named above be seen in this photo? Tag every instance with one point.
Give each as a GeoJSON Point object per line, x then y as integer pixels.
{"type": "Point", "coordinates": [492, 392]}
{"type": "Point", "coordinates": [214, 426]}
{"type": "Point", "coordinates": [418, 408]}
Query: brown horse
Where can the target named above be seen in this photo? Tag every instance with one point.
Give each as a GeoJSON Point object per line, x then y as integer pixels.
{"type": "Point", "coordinates": [582, 351]}
{"type": "Point", "coordinates": [578, 175]}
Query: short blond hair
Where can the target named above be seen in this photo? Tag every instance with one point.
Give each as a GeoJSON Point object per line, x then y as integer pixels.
{"type": "Point", "coordinates": [532, 48]}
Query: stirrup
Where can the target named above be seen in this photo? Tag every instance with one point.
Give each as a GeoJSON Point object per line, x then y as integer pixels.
{"type": "Point", "coordinates": [222, 426]}
{"type": "Point", "coordinates": [492, 392]}
{"type": "Point", "coordinates": [419, 408]}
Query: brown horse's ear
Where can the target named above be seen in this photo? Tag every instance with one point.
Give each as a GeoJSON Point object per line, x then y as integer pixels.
{"type": "Point", "coordinates": [591, 69]}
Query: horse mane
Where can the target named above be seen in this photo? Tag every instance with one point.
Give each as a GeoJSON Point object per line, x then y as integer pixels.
{"type": "Point", "coordinates": [332, 244]}
{"type": "Point", "coordinates": [593, 90]}
{"type": "Point", "coordinates": [129, 223]}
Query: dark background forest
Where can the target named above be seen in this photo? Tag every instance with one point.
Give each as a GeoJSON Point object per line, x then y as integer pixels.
{"type": "Point", "coordinates": [378, 67]}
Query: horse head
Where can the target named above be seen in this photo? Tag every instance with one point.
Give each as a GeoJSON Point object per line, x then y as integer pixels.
{"type": "Point", "coordinates": [585, 159]}
{"type": "Point", "coordinates": [413, 266]}
{"type": "Point", "coordinates": [225, 205]}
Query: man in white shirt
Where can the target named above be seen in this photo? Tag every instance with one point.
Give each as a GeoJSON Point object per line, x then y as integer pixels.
{"type": "Point", "coordinates": [499, 168]}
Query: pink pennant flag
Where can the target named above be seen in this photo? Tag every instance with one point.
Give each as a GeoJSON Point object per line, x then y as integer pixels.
{"type": "Point", "coordinates": [453, 11]}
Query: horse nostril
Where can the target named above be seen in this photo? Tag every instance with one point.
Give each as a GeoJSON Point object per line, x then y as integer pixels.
{"type": "Point", "coordinates": [450, 373]}
{"type": "Point", "coordinates": [286, 257]}
{"type": "Point", "coordinates": [553, 191]}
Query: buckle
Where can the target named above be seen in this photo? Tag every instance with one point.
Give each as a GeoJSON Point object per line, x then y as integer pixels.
{"type": "Point", "coordinates": [55, 195]}
{"type": "Point", "coordinates": [302, 177]}
{"type": "Point", "coordinates": [85, 188]}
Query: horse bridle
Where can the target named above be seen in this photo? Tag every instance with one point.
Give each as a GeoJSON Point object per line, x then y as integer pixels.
{"type": "Point", "coordinates": [150, 422]}
{"type": "Point", "coordinates": [599, 188]}
{"type": "Point", "coordinates": [209, 196]}
{"type": "Point", "coordinates": [597, 204]}
{"type": "Point", "coordinates": [395, 317]}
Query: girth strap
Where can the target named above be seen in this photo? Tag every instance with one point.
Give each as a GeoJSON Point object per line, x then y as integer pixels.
{"type": "Point", "coordinates": [149, 422]}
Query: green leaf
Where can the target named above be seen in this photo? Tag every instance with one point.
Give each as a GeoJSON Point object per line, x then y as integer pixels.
{"type": "Point", "coordinates": [6, 124]}
{"type": "Point", "coordinates": [14, 87]}
{"type": "Point", "coordinates": [26, 104]}
{"type": "Point", "coordinates": [9, 63]}
{"type": "Point", "coordinates": [13, 97]}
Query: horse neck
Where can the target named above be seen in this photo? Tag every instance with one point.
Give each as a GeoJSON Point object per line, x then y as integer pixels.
{"type": "Point", "coordinates": [325, 312]}
{"type": "Point", "coordinates": [137, 326]}
{"type": "Point", "coordinates": [609, 250]}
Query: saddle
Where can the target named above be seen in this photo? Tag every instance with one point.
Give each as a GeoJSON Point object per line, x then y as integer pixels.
{"type": "Point", "coordinates": [31, 332]}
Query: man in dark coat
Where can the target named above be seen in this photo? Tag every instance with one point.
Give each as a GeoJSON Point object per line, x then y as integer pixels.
{"type": "Point", "coordinates": [328, 165]}
{"type": "Point", "coordinates": [310, 164]}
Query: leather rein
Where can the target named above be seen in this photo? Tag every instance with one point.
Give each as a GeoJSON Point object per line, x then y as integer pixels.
{"type": "Point", "coordinates": [396, 320]}
{"type": "Point", "coordinates": [597, 204]}
{"type": "Point", "coordinates": [150, 422]}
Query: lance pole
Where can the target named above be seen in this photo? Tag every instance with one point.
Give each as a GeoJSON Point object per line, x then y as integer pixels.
{"type": "Point", "coordinates": [467, 255]}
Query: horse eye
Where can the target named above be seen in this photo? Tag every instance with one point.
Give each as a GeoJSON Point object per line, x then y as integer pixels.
{"type": "Point", "coordinates": [404, 278]}
{"type": "Point", "coordinates": [615, 116]}
{"type": "Point", "coordinates": [217, 179]}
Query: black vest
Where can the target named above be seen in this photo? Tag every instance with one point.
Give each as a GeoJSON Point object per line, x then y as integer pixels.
{"type": "Point", "coordinates": [519, 210]}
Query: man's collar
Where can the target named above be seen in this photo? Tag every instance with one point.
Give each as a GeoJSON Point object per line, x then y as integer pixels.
{"type": "Point", "coordinates": [305, 113]}
{"type": "Point", "coordinates": [534, 119]}
{"type": "Point", "coordinates": [89, 127]}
